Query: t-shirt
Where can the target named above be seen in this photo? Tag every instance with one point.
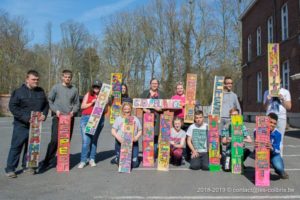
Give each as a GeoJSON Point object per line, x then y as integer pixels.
{"type": "Point", "coordinates": [275, 105]}
{"type": "Point", "coordinates": [179, 112]}
{"type": "Point", "coordinates": [177, 136]}
{"type": "Point", "coordinates": [199, 136]}
{"type": "Point", "coordinates": [118, 125]}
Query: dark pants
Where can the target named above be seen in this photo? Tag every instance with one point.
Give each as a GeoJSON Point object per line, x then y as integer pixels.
{"type": "Point", "coordinates": [52, 146]}
{"type": "Point", "coordinates": [18, 141]}
{"type": "Point", "coordinates": [155, 146]}
{"type": "Point", "coordinates": [135, 153]}
{"type": "Point", "coordinates": [200, 162]}
{"type": "Point", "coordinates": [185, 127]}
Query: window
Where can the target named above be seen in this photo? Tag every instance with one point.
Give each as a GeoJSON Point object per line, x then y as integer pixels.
{"type": "Point", "coordinates": [258, 41]}
{"type": "Point", "coordinates": [284, 22]}
{"type": "Point", "coordinates": [270, 30]}
{"type": "Point", "coordinates": [286, 75]}
{"type": "Point", "coordinates": [259, 87]}
{"type": "Point", "coordinates": [249, 48]}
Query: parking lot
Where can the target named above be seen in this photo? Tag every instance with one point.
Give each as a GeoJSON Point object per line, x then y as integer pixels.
{"type": "Point", "coordinates": [104, 181]}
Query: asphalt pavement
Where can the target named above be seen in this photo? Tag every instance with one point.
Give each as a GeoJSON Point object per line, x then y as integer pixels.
{"type": "Point", "coordinates": [104, 181]}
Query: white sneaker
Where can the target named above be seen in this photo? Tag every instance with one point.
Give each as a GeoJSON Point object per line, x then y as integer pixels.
{"type": "Point", "coordinates": [92, 163]}
{"type": "Point", "coordinates": [81, 165]}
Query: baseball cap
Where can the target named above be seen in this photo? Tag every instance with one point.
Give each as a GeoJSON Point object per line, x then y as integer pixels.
{"type": "Point", "coordinates": [97, 83]}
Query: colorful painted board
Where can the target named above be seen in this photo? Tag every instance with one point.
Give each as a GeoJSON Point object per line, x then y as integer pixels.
{"type": "Point", "coordinates": [34, 141]}
{"type": "Point", "coordinates": [262, 153]}
{"type": "Point", "coordinates": [273, 69]}
{"type": "Point", "coordinates": [237, 148]}
{"type": "Point", "coordinates": [213, 143]}
{"type": "Point", "coordinates": [63, 146]}
{"type": "Point", "coordinates": [157, 103]}
{"type": "Point", "coordinates": [116, 81]}
{"type": "Point", "coordinates": [190, 96]}
{"type": "Point", "coordinates": [126, 147]}
{"type": "Point", "coordinates": [148, 140]}
{"type": "Point", "coordinates": [216, 106]}
{"type": "Point", "coordinates": [164, 141]}
{"type": "Point", "coordinates": [98, 109]}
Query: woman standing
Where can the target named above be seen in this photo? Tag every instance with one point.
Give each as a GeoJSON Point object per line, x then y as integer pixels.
{"type": "Point", "coordinates": [154, 93]}
{"type": "Point", "coordinates": [89, 142]}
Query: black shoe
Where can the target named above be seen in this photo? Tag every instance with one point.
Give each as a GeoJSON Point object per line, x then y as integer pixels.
{"type": "Point", "coordinates": [284, 175]}
{"type": "Point", "coordinates": [43, 167]}
{"type": "Point", "coordinates": [114, 161]}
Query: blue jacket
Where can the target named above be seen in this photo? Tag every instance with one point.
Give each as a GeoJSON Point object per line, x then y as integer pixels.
{"type": "Point", "coordinates": [275, 139]}
{"type": "Point", "coordinates": [24, 100]}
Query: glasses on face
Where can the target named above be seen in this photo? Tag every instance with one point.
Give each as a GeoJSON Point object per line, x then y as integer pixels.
{"type": "Point", "coordinates": [229, 83]}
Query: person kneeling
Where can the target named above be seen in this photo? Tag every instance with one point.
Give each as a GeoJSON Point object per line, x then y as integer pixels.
{"type": "Point", "coordinates": [177, 142]}
{"type": "Point", "coordinates": [274, 146]}
{"type": "Point", "coordinates": [226, 140]}
{"type": "Point", "coordinates": [197, 141]}
{"type": "Point", "coordinates": [117, 132]}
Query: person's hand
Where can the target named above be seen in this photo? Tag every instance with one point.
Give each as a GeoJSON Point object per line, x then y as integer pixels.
{"type": "Point", "coordinates": [281, 97]}
{"type": "Point", "coordinates": [267, 144]}
{"type": "Point", "coordinates": [41, 117]}
{"type": "Point", "coordinates": [195, 154]}
{"type": "Point", "coordinates": [135, 139]}
{"type": "Point", "coordinates": [93, 101]}
{"type": "Point", "coordinates": [269, 97]}
{"type": "Point", "coordinates": [172, 143]}
{"type": "Point", "coordinates": [158, 109]}
{"type": "Point", "coordinates": [146, 110]}
{"type": "Point", "coordinates": [58, 113]}
{"type": "Point", "coordinates": [121, 140]}
{"type": "Point", "coordinates": [72, 113]}
{"type": "Point", "coordinates": [228, 140]}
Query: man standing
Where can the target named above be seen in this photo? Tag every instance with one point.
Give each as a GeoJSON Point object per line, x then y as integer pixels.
{"type": "Point", "coordinates": [230, 100]}
{"type": "Point", "coordinates": [29, 97]}
{"type": "Point", "coordinates": [279, 106]}
{"type": "Point", "coordinates": [63, 99]}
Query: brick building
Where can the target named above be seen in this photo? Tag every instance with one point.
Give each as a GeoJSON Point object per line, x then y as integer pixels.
{"type": "Point", "coordinates": [274, 21]}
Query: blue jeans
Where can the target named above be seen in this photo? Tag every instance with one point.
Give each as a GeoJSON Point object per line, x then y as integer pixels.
{"type": "Point", "coordinates": [18, 141]}
{"type": "Point", "coordinates": [135, 153]}
{"type": "Point", "coordinates": [277, 163]}
{"type": "Point", "coordinates": [89, 142]}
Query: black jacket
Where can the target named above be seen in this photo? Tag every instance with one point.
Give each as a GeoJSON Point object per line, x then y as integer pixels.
{"type": "Point", "coordinates": [24, 100]}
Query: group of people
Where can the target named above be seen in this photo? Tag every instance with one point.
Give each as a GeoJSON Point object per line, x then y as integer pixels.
{"type": "Point", "coordinates": [64, 99]}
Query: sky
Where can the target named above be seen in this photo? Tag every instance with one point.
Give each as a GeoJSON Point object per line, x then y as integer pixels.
{"type": "Point", "coordinates": [38, 13]}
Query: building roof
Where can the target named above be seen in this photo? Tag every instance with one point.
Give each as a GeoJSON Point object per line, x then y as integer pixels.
{"type": "Point", "coordinates": [249, 7]}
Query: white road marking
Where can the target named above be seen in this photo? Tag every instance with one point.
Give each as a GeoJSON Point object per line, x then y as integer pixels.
{"type": "Point", "coordinates": [200, 197]}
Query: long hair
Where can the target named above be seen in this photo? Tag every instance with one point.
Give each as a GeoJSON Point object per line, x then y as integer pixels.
{"type": "Point", "coordinates": [123, 105]}
{"type": "Point", "coordinates": [126, 93]}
